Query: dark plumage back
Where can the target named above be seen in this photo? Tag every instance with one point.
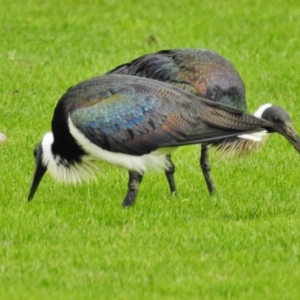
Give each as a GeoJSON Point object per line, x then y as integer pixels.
{"type": "Point", "coordinates": [200, 72]}
{"type": "Point", "coordinates": [203, 73]}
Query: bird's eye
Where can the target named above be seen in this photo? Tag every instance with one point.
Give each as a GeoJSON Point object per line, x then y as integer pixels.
{"type": "Point", "coordinates": [275, 119]}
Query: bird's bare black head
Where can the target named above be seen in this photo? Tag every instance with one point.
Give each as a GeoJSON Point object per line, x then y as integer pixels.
{"type": "Point", "coordinates": [281, 123]}
{"type": "Point", "coordinates": [277, 115]}
{"type": "Point", "coordinates": [40, 170]}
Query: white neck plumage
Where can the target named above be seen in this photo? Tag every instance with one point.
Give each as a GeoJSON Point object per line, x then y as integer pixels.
{"type": "Point", "coordinates": [261, 110]}
{"type": "Point", "coordinates": [63, 170]}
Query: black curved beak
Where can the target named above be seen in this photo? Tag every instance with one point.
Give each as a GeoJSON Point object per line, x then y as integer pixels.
{"type": "Point", "coordinates": [291, 135]}
{"type": "Point", "coordinates": [40, 170]}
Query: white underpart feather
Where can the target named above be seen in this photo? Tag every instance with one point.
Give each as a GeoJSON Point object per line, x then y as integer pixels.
{"type": "Point", "coordinates": [260, 135]}
{"type": "Point", "coordinates": [155, 160]}
{"type": "Point", "coordinates": [62, 170]}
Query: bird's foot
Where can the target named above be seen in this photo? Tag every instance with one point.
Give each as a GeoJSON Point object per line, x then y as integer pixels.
{"type": "Point", "coordinates": [212, 191]}
{"type": "Point", "coordinates": [129, 199]}
{"type": "Point", "coordinates": [173, 193]}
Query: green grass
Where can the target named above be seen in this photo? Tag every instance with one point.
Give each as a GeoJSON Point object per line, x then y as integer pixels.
{"type": "Point", "coordinates": [76, 242]}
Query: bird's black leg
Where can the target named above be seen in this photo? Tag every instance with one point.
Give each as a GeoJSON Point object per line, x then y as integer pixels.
{"type": "Point", "coordinates": [170, 176]}
{"type": "Point", "coordinates": [205, 166]}
{"type": "Point", "coordinates": [133, 185]}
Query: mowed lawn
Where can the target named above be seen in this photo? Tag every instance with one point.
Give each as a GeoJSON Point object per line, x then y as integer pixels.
{"type": "Point", "coordinates": [77, 242]}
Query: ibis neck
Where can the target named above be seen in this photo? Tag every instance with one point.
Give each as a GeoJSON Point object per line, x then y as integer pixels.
{"type": "Point", "coordinates": [64, 144]}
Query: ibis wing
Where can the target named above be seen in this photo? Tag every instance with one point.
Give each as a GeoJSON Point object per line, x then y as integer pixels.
{"type": "Point", "coordinates": [124, 121]}
{"type": "Point", "coordinates": [170, 66]}
{"type": "Point", "coordinates": [156, 66]}
{"type": "Point", "coordinates": [137, 115]}
{"type": "Point", "coordinates": [197, 71]}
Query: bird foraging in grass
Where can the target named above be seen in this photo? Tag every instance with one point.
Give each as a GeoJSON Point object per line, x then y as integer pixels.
{"type": "Point", "coordinates": [203, 73]}
{"type": "Point", "coordinates": [134, 123]}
